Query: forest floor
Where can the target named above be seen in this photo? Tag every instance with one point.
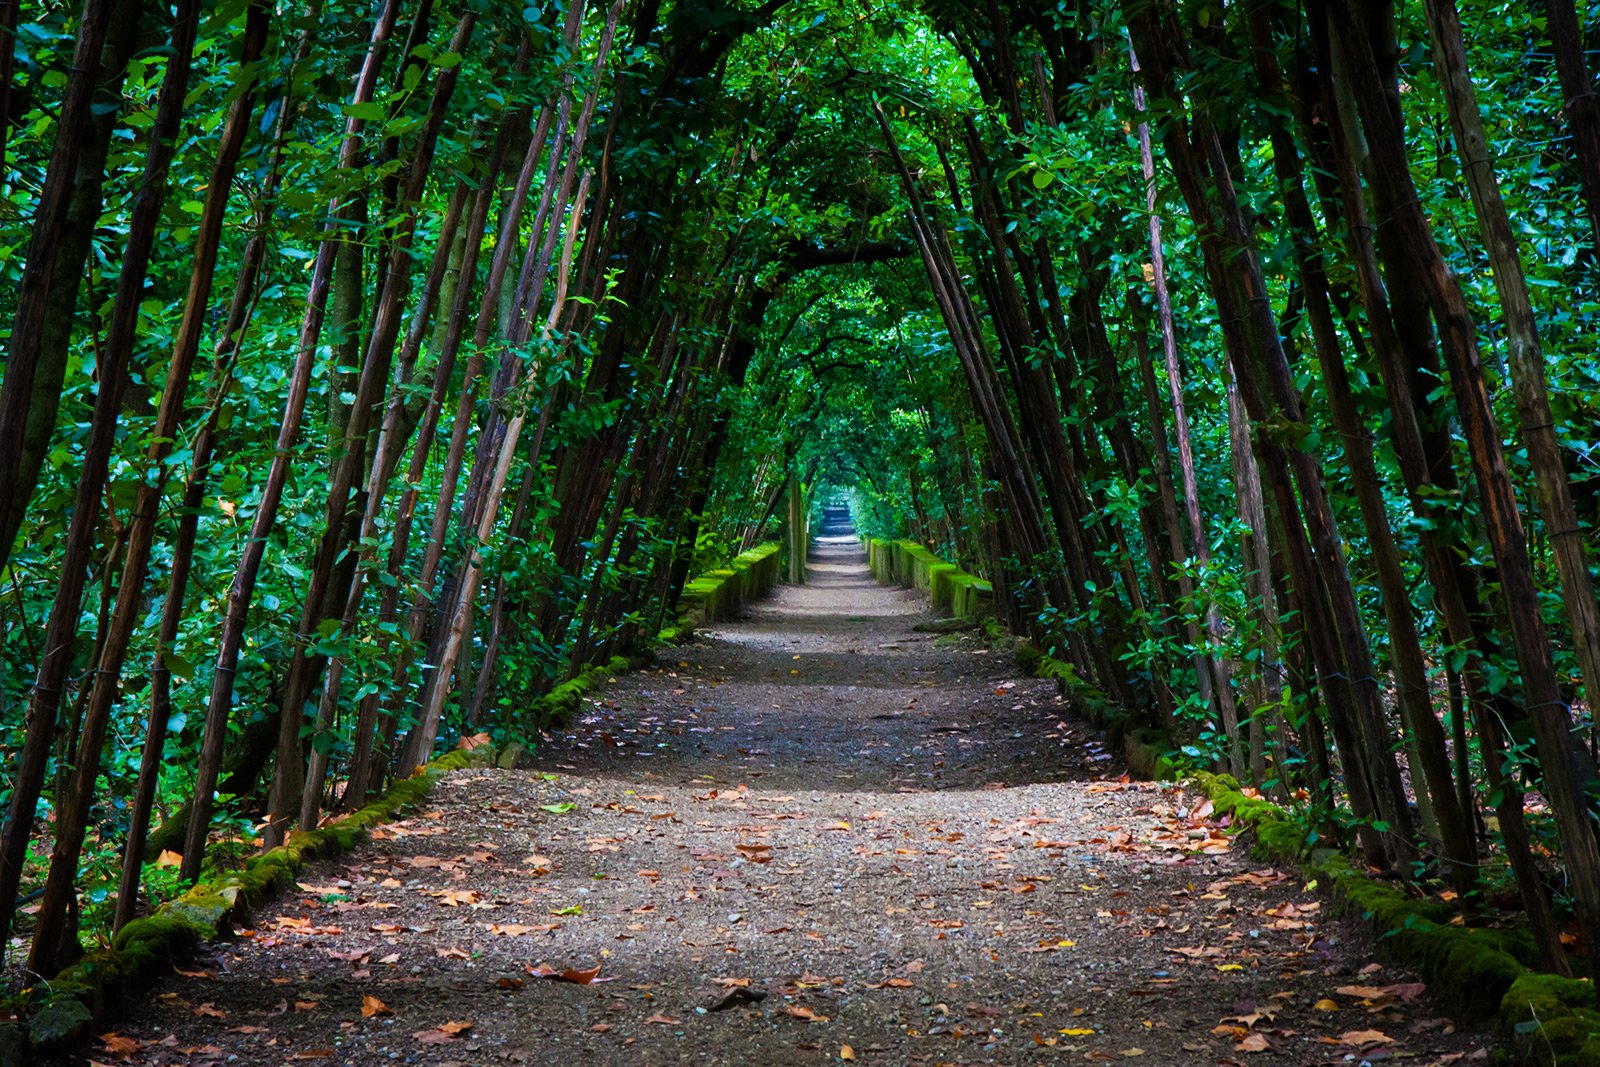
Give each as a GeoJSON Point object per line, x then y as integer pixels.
{"type": "Point", "coordinates": [817, 834]}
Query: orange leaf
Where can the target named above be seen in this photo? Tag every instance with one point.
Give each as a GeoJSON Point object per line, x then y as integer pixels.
{"type": "Point", "coordinates": [371, 1005]}
{"type": "Point", "coordinates": [1365, 1037]}
{"type": "Point", "coordinates": [803, 1013]}
{"type": "Point", "coordinates": [117, 1045]}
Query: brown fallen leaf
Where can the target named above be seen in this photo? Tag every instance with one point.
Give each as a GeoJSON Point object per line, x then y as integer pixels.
{"type": "Point", "coordinates": [571, 974]}
{"type": "Point", "coordinates": [371, 1005]}
{"type": "Point", "coordinates": [846, 1052]}
{"type": "Point", "coordinates": [210, 1011]}
{"type": "Point", "coordinates": [890, 983]}
{"type": "Point", "coordinates": [1361, 992]}
{"type": "Point", "coordinates": [731, 983]}
{"type": "Point", "coordinates": [803, 1013]}
{"type": "Point", "coordinates": [1364, 1038]}
{"type": "Point", "coordinates": [433, 1037]}
{"type": "Point", "coordinates": [119, 1045]}
{"type": "Point", "coordinates": [519, 930]}
{"type": "Point", "coordinates": [737, 996]}
{"type": "Point", "coordinates": [664, 1020]}
{"type": "Point", "coordinates": [1253, 1043]}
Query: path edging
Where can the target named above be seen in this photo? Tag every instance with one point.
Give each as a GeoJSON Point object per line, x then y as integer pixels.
{"type": "Point", "coordinates": [61, 1012]}
{"type": "Point", "coordinates": [1543, 1020]}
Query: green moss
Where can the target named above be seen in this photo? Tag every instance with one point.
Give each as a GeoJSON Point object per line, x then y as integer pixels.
{"type": "Point", "coordinates": [61, 1022]}
{"type": "Point", "coordinates": [67, 1005]}
{"type": "Point", "coordinates": [720, 593]}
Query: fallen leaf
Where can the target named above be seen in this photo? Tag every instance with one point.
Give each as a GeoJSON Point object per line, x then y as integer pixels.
{"type": "Point", "coordinates": [433, 1037]}
{"type": "Point", "coordinates": [169, 858]}
{"type": "Point", "coordinates": [210, 1011]}
{"type": "Point", "coordinates": [570, 974]}
{"type": "Point", "coordinates": [1253, 1043]}
{"type": "Point", "coordinates": [1361, 992]}
{"type": "Point", "coordinates": [803, 1013]}
{"type": "Point", "coordinates": [371, 1005]}
{"type": "Point", "coordinates": [1363, 1038]}
{"type": "Point", "coordinates": [664, 1020]}
{"type": "Point", "coordinates": [118, 1045]}
{"type": "Point", "coordinates": [846, 1052]}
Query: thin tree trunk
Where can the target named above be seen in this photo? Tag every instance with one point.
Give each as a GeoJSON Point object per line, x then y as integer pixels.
{"type": "Point", "coordinates": [1525, 354]}
{"type": "Point", "coordinates": [142, 525]}
{"type": "Point", "coordinates": [69, 210]}
{"type": "Point", "coordinates": [47, 295]}
{"type": "Point", "coordinates": [292, 794]}
{"type": "Point", "coordinates": [1546, 711]}
{"type": "Point", "coordinates": [1210, 671]}
{"type": "Point", "coordinates": [72, 810]}
{"type": "Point", "coordinates": [1583, 115]}
{"type": "Point", "coordinates": [242, 590]}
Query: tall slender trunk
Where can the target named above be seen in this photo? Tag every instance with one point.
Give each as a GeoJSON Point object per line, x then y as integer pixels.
{"type": "Point", "coordinates": [1525, 354]}
{"type": "Point", "coordinates": [69, 209]}
{"type": "Point", "coordinates": [1583, 114]}
{"type": "Point", "coordinates": [116, 363]}
{"type": "Point", "coordinates": [1454, 593]}
{"type": "Point", "coordinates": [142, 523]}
{"type": "Point", "coordinates": [1547, 711]}
{"type": "Point", "coordinates": [240, 593]}
{"type": "Point", "coordinates": [291, 794]}
{"type": "Point", "coordinates": [47, 295]}
{"type": "Point", "coordinates": [422, 738]}
{"type": "Point", "coordinates": [1210, 670]}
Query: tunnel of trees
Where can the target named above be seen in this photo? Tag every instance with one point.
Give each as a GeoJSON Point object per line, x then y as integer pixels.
{"type": "Point", "coordinates": [372, 366]}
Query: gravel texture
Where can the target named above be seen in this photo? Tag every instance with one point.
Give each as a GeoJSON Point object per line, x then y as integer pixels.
{"type": "Point", "coordinates": [811, 836]}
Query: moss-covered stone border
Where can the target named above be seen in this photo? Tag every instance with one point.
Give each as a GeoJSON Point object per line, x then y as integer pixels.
{"type": "Point", "coordinates": [719, 594]}
{"type": "Point", "coordinates": [1481, 975]}
{"type": "Point", "coordinates": [910, 566]}
{"type": "Point", "coordinates": [61, 1012]}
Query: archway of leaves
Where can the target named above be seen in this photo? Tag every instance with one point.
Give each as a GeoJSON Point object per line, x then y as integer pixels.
{"type": "Point", "coordinates": [1229, 343]}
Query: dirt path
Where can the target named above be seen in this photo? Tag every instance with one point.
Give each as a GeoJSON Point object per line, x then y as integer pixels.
{"type": "Point", "coordinates": [821, 834]}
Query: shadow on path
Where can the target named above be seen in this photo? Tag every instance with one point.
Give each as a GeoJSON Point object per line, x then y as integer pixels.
{"type": "Point", "coordinates": [813, 834]}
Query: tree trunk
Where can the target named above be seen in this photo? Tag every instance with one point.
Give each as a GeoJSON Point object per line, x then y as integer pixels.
{"type": "Point", "coordinates": [242, 590]}
{"type": "Point", "coordinates": [72, 810]}
{"type": "Point", "coordinates": [47, 295]}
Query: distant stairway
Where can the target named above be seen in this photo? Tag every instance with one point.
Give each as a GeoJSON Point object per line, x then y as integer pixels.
{"type": "Point", "coordinates": [835, 522]}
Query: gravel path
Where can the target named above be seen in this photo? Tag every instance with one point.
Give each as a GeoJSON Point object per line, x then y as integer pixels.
{"type": "Point", "coordinates": [818, 835]}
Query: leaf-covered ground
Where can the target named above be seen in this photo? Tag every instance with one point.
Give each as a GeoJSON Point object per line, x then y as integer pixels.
{"type": "Point", "coordinates": [821, 835]}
